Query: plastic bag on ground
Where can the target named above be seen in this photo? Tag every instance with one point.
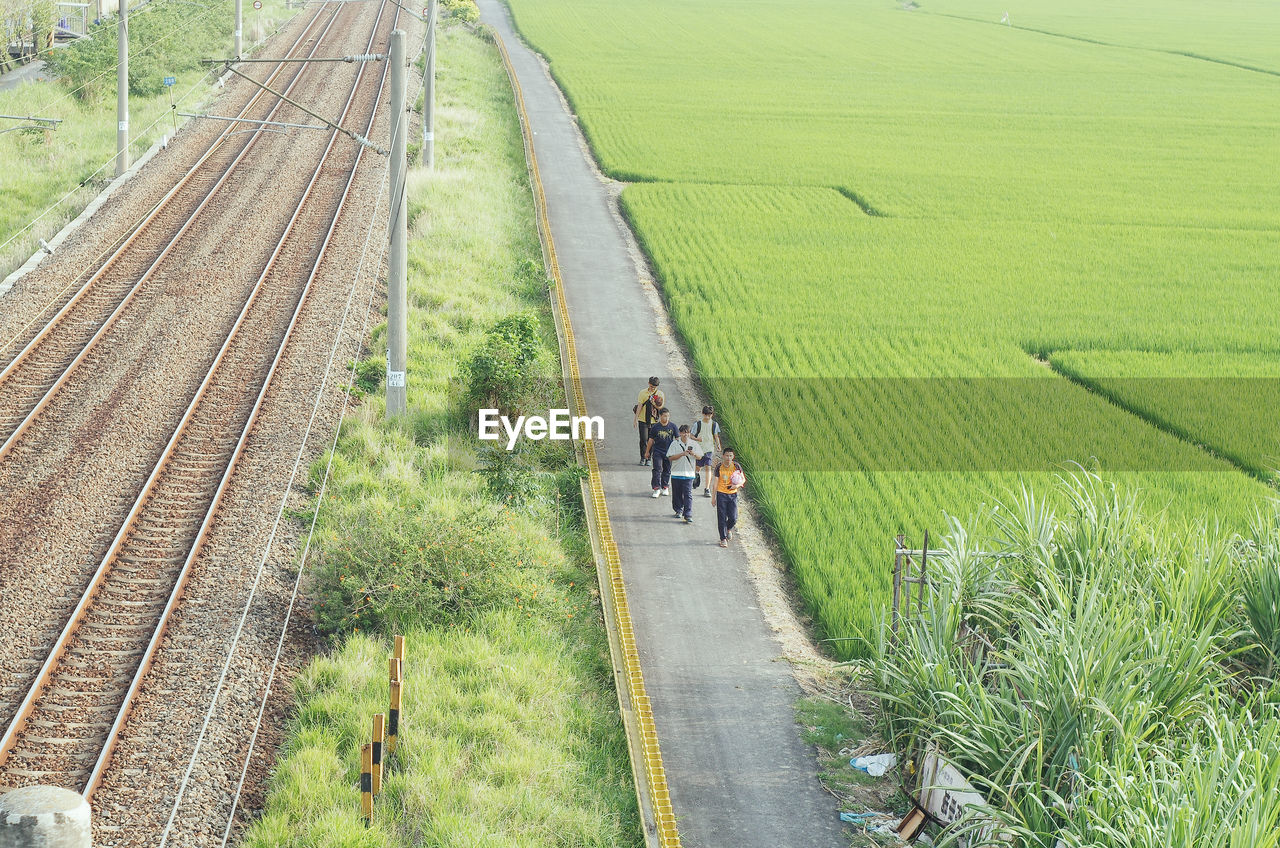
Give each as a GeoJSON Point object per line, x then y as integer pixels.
{"type": "Point", "coordinates": [875, 765]}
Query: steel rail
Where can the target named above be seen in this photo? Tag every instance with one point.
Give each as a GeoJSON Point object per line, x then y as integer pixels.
{"type": "Point", "coordinates": [7, 446]}
{"type": "Point", "coordinates": [153, 214]}
{"type": "Point", "coordinates": [44, 677]}
{"type": "Point", "coordinates": [104, 759]}
{"type": "Point", "coordinates": [206, 524]}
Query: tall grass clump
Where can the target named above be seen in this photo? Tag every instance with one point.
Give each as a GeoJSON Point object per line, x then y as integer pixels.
{"type": "Point", "coordinates": [510, 733]}
{"type": "Point", "coordinates": [1093, 670]}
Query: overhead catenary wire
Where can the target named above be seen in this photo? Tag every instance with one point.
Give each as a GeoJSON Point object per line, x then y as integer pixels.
{"type": "Point", "coordinates": [361, 57]}
{"type": "Point", "coordinates": [138, 52]}
{"type": "Point", "coordinates": [270, 540]}
{"type": "Point", "coordinates": [354, 136]}
{"type": "Point", "coordinates": [236, 120]}
{"type": "Point", "coordinates": [324, 482]}
{"type": "Point", "coordinates": [93, 175]}
{"type": "Point", "coordinates": [31, 224]}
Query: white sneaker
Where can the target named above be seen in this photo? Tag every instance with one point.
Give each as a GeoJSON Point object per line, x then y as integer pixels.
{"type": "Point", "coordinates": [655, 493]}
{"type": "Point", "coordinates": [665, 493]}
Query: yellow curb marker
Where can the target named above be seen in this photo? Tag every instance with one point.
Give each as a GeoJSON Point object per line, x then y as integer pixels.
{"type": "Point", "coordinates": [646, 757]}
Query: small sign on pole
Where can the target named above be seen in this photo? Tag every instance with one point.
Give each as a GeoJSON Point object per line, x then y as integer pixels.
{"type": "Point", "coordinates": [169, 83]}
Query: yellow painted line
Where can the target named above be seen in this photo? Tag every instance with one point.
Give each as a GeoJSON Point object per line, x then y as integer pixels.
{"type": "Point", "coordinates": [646, 756]}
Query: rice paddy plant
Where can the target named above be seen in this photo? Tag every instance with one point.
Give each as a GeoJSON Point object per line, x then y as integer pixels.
{"type": "Point", "coordinates": [1224, 401]}
{"type": "Point", "coordinates": [879, 222]}
{"type": "Point", "coordinates": [1077, 664]}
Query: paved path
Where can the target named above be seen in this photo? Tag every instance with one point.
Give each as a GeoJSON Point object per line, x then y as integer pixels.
{"type": "Point", "coordinates": [30, 72]}
{"type": "Point", "coordinates": [739, 775]}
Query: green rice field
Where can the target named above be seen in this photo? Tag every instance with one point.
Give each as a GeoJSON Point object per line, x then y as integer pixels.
{"type": "Point", "coordinates": [920, 253]}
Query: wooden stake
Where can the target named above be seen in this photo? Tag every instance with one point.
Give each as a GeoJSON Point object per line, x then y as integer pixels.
{"type": "Point", "coordinates": [366, 783]}
{"type": "Point", "coordinates": [897, 586]}
{"type": "Point", "coordinates": [398, 650]}
{"type": "Point", "coordinates": [378, 737]}
{"type": "Point", "coordinates": [393, 714]}
{"type": "Point", "coordinates": [924, 574]}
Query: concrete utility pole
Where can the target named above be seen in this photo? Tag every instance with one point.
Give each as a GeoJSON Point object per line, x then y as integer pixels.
{"type": "Point", "coordinates": [122, 91]}
{"type": "Point", "coordinates": [239, 30]}
{"type": "Point", "coordinates": [429, 99]}
{"type": "Point", "coordinates": [398, 260]}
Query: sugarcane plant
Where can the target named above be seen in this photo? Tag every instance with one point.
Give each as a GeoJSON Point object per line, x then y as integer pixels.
{"type": "Point", "coordinates": [1102, 676]}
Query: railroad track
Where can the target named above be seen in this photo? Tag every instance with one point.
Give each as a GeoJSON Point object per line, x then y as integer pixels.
{"type": "Point", "coordinates": [65, 729]}
{"type": "Point", "coordinates": [46, 355]}
{"type": "Point", "coordinates": [54, 352]}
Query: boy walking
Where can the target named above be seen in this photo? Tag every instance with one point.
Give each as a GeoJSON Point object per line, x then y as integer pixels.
{"type": "Point", "coordinates": [646, 414]}
{"type": "Point", "coordinates": [683, 456]}
{"type": "Point", "coordinates": [707, 433]}
{"type": "Point", "coordinates": [729, 480]}
{"type": "Point", "coordinates": [661, 435]}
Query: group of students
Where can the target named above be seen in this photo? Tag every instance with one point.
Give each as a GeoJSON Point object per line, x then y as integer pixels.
{"type": "Point", "coordinates": [680, 455]}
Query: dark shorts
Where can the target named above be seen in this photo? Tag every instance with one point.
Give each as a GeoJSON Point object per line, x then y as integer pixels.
{"type": "Point", "coordinates": [704, 462]}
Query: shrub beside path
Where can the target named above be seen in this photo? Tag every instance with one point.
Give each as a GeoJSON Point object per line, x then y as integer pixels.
{"type": "Point", "coordinates": [739, 774]}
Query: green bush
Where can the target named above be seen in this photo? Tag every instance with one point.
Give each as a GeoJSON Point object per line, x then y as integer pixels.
{"type": "Point", "coordinates": [165, 39]}
{"type": "Point", "coordinates": [510, 476]}
{"type": "Point", "coordinates": [462, 10]}
{"type": "Point", "coordinates": [500, 372]}
{"type": "Point", "coordinates": [393, 568]}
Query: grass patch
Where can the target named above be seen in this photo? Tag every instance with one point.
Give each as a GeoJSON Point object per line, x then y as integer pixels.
{"type": "Point", "coordinates": [66, 168]}
{"type": "Point", "coordinates": [837, 722]}
{"type": "Point", "coordinates": [511, 732]}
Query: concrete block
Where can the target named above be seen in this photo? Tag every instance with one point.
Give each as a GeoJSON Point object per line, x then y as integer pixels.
{"type": "Point", "coordinates": [44, 817]}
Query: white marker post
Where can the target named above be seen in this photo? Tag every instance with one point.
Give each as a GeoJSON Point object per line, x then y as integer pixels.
{"type": "Point", "coordinates": [169, 83]}
{"type": "Point", "coordinates": [257, 21]}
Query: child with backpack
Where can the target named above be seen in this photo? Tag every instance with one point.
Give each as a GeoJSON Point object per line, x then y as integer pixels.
{"type": "Point", "coordinates": [646, 414]}
{"type": "Point", "coordinates": [707, 433]}
{"type": "Point", "coordinates": [729, 480]}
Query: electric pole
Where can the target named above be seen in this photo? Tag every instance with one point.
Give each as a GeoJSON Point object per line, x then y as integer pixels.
{"type": "Point", "coordinates": [398, 259]}
{"type": "Point", "coordinates": [122, 91]}
{"type": "Point", "coordinates": [429, 98]}
{"type": "Point", "coordinates": [239, 31]}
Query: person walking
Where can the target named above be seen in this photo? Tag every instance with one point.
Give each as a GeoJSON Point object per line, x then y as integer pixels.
{"type": "Point", "coordinates": [729, 480]}
{"type": "Point", "coordinates": [646, 414]}
{"type": "Point", "coordinates": [661, 435]}
{"type": "Point", "coordinates": [707, 432]}
{"type": "Point", "coordinates": [683, 456]}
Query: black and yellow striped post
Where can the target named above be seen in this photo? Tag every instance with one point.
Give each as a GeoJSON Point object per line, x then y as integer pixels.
{"type": "Point", "coordinates": [393, 713]}
{"type": "Point", "coordinates": [366, 783]}
{"type": "Point", "coordinates": [379, 735]}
